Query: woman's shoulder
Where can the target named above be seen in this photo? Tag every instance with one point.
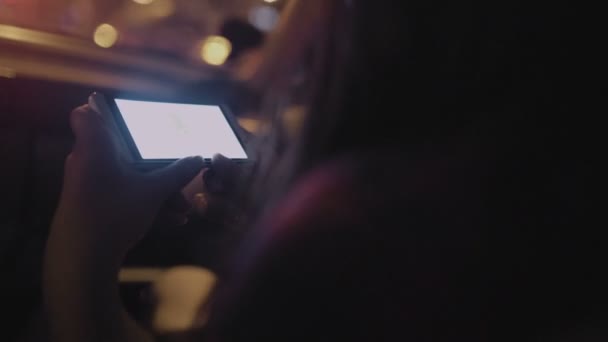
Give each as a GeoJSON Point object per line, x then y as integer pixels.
{"type": "Point", "coordinates": [330, 193]}
{"type": "Point", "coordinates": [346, 236]}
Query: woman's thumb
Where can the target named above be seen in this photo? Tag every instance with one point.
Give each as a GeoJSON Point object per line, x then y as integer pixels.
{"type": "Point", "coordinates": [176, 176]}
{"type": "Point", "coordinates": [93, 139]}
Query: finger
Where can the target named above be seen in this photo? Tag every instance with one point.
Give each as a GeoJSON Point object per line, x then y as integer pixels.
{"type": "Point", "coordinates": [93, 138]}
{"type": "Point", "coordinates": [222, 175]}
{"type": "Point", "coordinates": [194, 187]}
{"type": "Point", "coordinates": [223, 164]}
{"type": "Point", "coordinates": [176, 176]}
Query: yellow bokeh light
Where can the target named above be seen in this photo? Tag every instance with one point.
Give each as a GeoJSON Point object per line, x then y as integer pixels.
{"type": "Point", "coordinates": [143, 2]}
{"type": "Point", "coordinates": [105, 35]}
{"type": "Point", "coordinates": [215, 50]}
{"type": "Point", "coordinates": [270, 1]}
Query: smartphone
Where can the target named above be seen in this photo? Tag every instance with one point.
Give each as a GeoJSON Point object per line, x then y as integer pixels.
{"type": "Point", "coordinates": [154, 134]}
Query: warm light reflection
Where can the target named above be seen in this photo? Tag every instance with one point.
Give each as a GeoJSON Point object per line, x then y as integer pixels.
{"type": "Point", "coordinates": [143, 2]}
{"type": "Point", "coordinates": [7, 72]}
{"type": "Point", "coordinates": [179, 295]}
{"type": "Point", "coordinates": [215, 50]}
{"type": "Point", "coordinates": [105, 35]}
{"type": "Point", "coordinates": [161, 8]}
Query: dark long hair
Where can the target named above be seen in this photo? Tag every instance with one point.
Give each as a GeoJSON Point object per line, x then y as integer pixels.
{"type": "Point", "coordinates": [405, 74]}
{"type": "Point", "coordinates": [498, 74]}
{"type": "Point", "coordinates": [402, 73]}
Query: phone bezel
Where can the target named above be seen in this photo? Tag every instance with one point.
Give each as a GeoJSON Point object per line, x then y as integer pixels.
{"type": "Point", "coordinates": [132, 146]}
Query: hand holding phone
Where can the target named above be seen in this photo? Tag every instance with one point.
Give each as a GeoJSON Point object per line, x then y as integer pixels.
{"type": "Point", "coordinates": [158, 133]}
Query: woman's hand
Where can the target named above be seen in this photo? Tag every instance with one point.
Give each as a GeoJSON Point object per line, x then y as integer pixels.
{"type": "Point", "coordinates": [105, 201]}
{"type": "Point", "coordinates": [105, 208]}
{"type": "Point", "coordinates": [219, 194]}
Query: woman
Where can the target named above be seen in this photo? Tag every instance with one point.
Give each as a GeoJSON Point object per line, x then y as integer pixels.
{"type": "Point", "coordinates": [412, 207]}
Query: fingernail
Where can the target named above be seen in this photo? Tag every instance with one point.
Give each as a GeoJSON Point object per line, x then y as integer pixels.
{"type": "Point", "coordinates": [200, 203]}
{"type": "Point", "coordinates": [218, 156]}
{"type": "Point", "coordinates": [200, 200]}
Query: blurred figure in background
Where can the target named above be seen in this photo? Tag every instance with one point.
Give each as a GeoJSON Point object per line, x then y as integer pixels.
{"type": "Point", "coordinates": [431, 195]}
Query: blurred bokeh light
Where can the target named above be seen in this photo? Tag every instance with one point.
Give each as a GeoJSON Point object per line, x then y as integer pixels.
{"type": "Point", "coordinates": [215, 50]}
{"type": "Point", "coordinates": [264, 18]}
{"type": "Point", "coordinates": [105, 35]}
